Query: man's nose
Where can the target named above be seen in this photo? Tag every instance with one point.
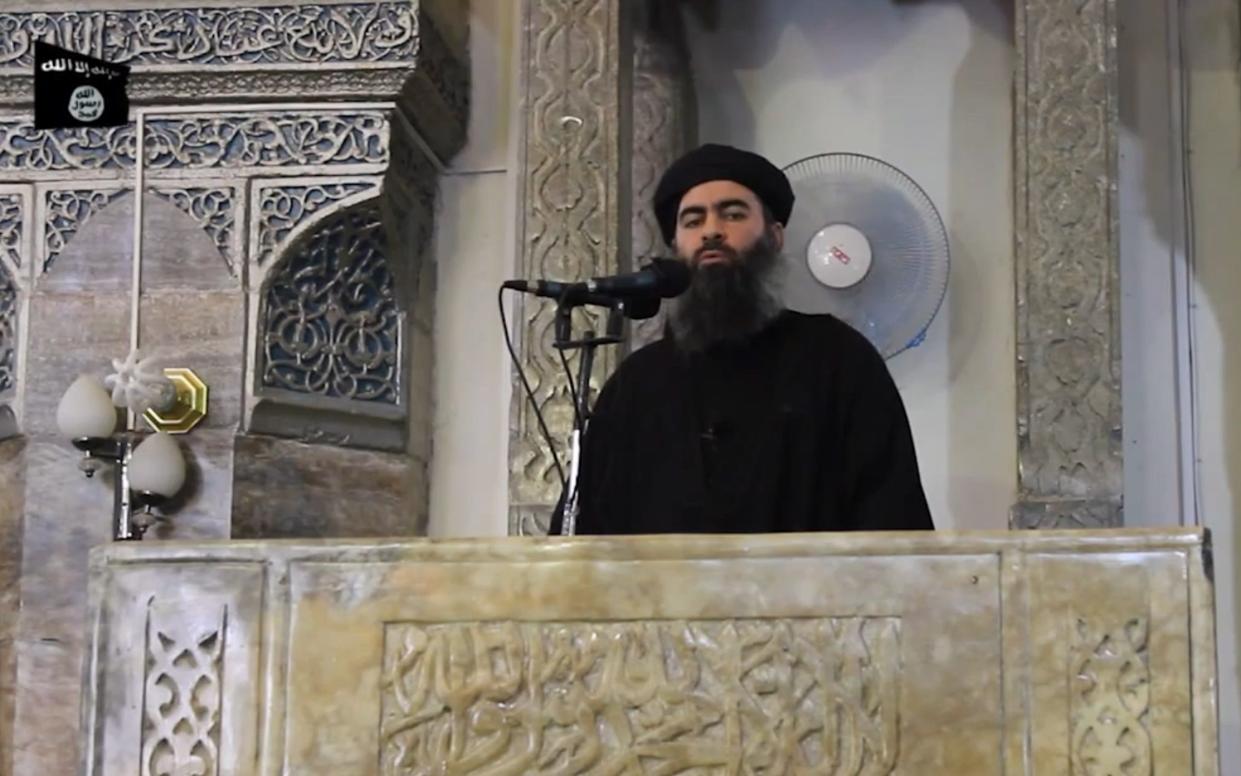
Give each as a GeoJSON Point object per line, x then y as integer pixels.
{"type": "Point", "coordinates": [711, 229]}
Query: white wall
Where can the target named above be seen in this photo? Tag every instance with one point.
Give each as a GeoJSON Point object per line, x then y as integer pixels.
{"type": "Point", "coordinates": [928, 88]}
{"type": "Point", "coordinates": [474, 248]}
{"type": "Point", "coordinates": [1213, 64]}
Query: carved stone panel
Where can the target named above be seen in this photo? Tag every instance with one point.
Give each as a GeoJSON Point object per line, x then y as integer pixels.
{"type": "Point", "coordinates": [9, 310]}
{"type": "Point", "coordinates": [28, 153]}
{"type": "Point", "coordinates": [1068, 293]}
{"type": "Point", "coordinates": [664, 120]}
{"type": "Point", "coordinates": [573, 202]}
{"type": "Point", "coordinates": [815, 695]}
{"type": "Point", "coordinates": [329, 322]}
{"type": "Point", "coordinates": [182, 690]}
{"type": "Point", "coordinates": [64, 212]}
{"type": "Point", "coordinates": [328, 49]}
{"type": "Point", "coordinates": [1023, 654]}
{"type": "Point", "coordinates": [309, 140]}
{"type": "Point", "coordinates": [280, 206]}
{"type": "Point", "coordinates": [179, 671]}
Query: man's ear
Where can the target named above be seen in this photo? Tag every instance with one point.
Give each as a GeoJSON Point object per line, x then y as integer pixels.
{"type": "Point", "coordinates": [777, 234]}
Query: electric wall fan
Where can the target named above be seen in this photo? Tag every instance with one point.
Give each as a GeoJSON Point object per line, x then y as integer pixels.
{"type": "Point", "coordinates": [865, 244]}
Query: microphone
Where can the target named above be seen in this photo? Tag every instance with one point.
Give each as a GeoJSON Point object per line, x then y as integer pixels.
{"type": "Point", "coordinates": [662, 278]}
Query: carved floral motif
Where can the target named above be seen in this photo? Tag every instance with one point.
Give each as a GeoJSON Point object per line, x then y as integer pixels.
{"type": "Point", "coordinates": [8, 330]}
{"type": "Point", "coordinates": [11, 225]}
{"type": "Point", "coordinates": [1111, 700]}
{"type": "Point", "coordinates": [1068, 348]}
{"type": "Point", "coordinates": [283, 34]}
{"type": "Point", "coordinates": [281, 209]}
{"type": "Point", "coordinates": [181, 692]}
{"type": "Point", "coordinates": [330, 324]}
{"type": "Point", "coordinates": [260, 140]}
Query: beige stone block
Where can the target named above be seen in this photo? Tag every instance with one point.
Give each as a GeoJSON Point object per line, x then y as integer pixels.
{"type": "Point", "coordinates": [972, 653]}
{"type": "Point", "coordinates": [70, 335]}
{"type": "Point", "coordinates": [286, 489]}
{"type": "Point", "coordinates": [205, 331]}
{"type": "Point", "coordinates": [12, 499]}
{"type": "Point", "coordinates": [189, 237]}
{"type": "Point", "coordinates": [66, 515]}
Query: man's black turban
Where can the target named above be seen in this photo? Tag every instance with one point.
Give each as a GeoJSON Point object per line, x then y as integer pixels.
{"type": "Point", "coordinates": [713, 162]}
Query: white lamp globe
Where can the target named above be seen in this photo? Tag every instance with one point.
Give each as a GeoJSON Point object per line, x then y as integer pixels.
{"type": "Point", "coordinates": [86, 410]}
{"type": "Point", "coordinates": [157, 466]}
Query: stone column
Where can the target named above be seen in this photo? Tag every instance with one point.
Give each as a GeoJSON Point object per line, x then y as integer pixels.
{"type": "Point", "coordinates": [664, 126]}
{"type": "Point", "coordinates": [607, 105]}
{"type": "Point", "coordinates": [574, 199]}
{"type": "Point", "coordinates": [1068, 289]}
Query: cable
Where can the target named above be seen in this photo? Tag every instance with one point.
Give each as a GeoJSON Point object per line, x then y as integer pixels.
{"type": "Point", "coordinates": [577, 413]}
{"type": "Point", "coordinates": [508, 340]}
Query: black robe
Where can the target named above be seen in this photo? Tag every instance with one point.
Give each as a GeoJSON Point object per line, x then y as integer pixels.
{"type": "Point", "coordinates": [800, 429]}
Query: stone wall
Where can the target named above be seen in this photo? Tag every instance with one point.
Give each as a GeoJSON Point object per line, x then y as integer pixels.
{"type": "Point", "coordinates": [279, 225]}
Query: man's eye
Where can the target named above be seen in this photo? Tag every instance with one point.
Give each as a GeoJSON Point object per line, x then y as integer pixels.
{"type": "Point", "coordinates": [735, 215]}
{"type": "Point", "coordinates": [691, 223]}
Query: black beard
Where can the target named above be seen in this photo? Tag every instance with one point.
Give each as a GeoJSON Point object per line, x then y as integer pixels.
{"type": "Point", "coordinates": [728, 302]}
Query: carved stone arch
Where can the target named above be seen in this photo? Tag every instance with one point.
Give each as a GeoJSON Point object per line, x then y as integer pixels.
{"type": "Point", "coordinates": [330, 357]}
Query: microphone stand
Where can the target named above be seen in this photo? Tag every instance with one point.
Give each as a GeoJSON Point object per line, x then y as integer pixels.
{"type": "Point", "coordinates": [587, 345]}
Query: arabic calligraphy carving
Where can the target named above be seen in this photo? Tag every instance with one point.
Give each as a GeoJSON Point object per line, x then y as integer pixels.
{"type": "Point", "coordinates": [282, 208]}
{"type": "Point", "coordinates": [11, 212]}
{"type": "Point", "coordinates": [213, 209]}
{"type": "Point", "coordinates": [248, 140]}
{"type": "Point", "coordinates": [330, 324]}
{"type": "Point", "coordinates": [24, 148]}
{"type": "Point", "coordinates": [193, 37]}
{"type": "Point", "coordinates": [181, 691]}
{"type": "Point", "coordinates": [8, 330]}
{"type": "Point", "coordinates": [73, 30]}
{"type": "Point", "coordinates": [1111, 700]}
{"type": "Point", "coordinates": [64, 215]}
{"type": "Point", "coordinates": [752, 696]}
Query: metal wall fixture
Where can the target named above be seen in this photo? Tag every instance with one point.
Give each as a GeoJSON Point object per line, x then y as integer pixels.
{"type": "Point", "coordinates": [149, 465]}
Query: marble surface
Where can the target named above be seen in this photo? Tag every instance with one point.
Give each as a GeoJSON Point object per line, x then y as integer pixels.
{"type": "Point", "coordinates": [286, 489]}
{"type": "Point", "coordinates": [972, 653]}
{"type": "Point", "coordinates": [12, 499]}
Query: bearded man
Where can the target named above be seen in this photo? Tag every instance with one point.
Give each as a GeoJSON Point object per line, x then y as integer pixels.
{"type": "Point", "coordinates": [745, 417]}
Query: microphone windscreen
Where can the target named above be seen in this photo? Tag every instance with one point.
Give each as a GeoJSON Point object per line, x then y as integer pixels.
{"type": "Point", "coordinates": [673, 276]}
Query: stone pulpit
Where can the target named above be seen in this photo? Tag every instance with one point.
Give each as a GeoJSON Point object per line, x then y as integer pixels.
{"type": "Point", "coordinates": [973, 653]}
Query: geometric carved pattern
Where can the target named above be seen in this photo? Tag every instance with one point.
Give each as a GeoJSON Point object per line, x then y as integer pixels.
{"type": "Point", "coordinates": [1068, 304]}
{"type": "Point", "coordinates": [11, 219]}
{"type": "Point", "coordinates": [571, 216]}
{"type": "Point", "coordinates": [8, 330]}
{"type": "Point", "coordinates": [181, 691]}
{"type": "Point", "coordinates": [330, 325]}
{"type": "Point", "coordinates": [1110, 676]}
{"type": "Point", "coordinates": [26, 149]}
{"type": "Point", "coordinates": [66, 212]}
{"type": "Point", "coordinates": [739, 696]}
{"type": "Point", "coordinates": [213, 210]}
{"type": "Point", "coordinates": [661, 114]}
{"type": "Point", "coordinates": [280, 140]}
{"type": "Point", "coordinates": [282, 209]}
{"type": "Point", "coordinates": [355, 32]}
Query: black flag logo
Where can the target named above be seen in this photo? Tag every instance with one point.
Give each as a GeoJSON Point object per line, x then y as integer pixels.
{"type": "Point", "coordinates": [74, 90]}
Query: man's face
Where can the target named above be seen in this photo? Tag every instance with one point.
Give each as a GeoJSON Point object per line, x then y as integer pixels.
{"type": "Point", "coordinates": [719, 221]}
{"type": "Point", "coordinates": [733, 255]}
